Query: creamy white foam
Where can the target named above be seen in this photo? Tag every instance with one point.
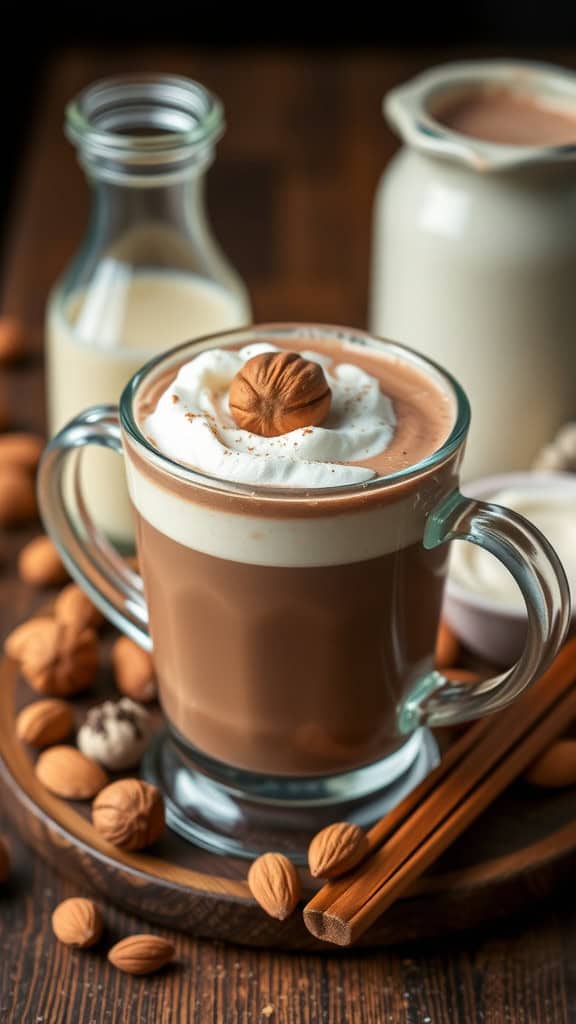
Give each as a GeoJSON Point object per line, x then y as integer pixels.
{"type": "Point", "coordinates": [270, 540]}
{"type": "Point", "coordinates": [192, 424]}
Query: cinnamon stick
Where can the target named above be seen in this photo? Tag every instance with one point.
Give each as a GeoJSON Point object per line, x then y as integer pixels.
{"type": "Point", "coordinates": [474, 772]}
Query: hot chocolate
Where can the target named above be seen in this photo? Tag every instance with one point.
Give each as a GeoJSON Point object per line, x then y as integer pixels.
{"type": "Point", "coordinates": [509, 117]}
{"type": "Point", "coordinates": [287, 625]}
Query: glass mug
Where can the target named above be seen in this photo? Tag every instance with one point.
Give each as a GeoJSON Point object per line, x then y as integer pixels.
{"type": "Point", "coordinates": [293, 632]}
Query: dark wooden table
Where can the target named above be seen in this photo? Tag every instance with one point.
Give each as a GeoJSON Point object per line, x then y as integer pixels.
{"type": "Point", "coordinates": [291, 197]}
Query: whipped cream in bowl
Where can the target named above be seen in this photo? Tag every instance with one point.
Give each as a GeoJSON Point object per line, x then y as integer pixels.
{"type": "Point", "coordinates": [192, 424]}
{"type": "Point", "coordinates": [482, 601]}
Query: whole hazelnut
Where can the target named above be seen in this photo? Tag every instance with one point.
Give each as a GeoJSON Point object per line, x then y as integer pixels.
{"type": "Point", "coordinates": [129, 813]}
{"type": "Point", "coordinates": [53, 658]}
{"type": "Point", "coordinates": [276, 392]}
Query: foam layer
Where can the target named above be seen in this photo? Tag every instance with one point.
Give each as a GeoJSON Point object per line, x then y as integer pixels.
{"type": "Point", "coordinates": [193, 425]}
{"type": "Point", "coordinates": [259, 540]}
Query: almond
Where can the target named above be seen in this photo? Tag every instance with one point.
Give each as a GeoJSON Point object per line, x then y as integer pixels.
{"type": "Point", "coordinates": [45, 722]}
{"type": "Point", "coordinates": [129, 813]}
{"type": "Point", "coordinates": [77, 922]}
{"type": "Point", "coordinates": [463, 675]}
{"type": "Point", "coordinates": [336, 849]}
{"type": "Point", "coordinates": [274, 884]}
{"type": "Point", "coordinates": [17, 496]}
{"type": "Point", "coordinates": [133, 670]}
{"type": "Point", "coordinates": [53, 658]}
{"type": "Point", "coordinates": [141, 954]}
{"type": "Point", "coordinates": [447, 647]}
{"type": "Point", "coordinates": [21, 450]}
{"type": "Point", "coordinates": [4, 862]}
{"type": "Point", "coordinates": [555, 768]}
{"type": "Point", "coordinates": [12, 344]}
{"type": "Point", "coordinates": [73, 608]}
{"type": "Point", "coordinates": [40, 565]}
{"type": "Point", "coordinates": [68, 773]}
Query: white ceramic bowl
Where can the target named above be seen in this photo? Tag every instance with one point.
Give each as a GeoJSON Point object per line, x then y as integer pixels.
{"type": "Point", "coordinates": [493, 630]}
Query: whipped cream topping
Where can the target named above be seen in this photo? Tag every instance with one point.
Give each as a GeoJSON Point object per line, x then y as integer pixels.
{"type": "Point", "coordinates": [192, 424]}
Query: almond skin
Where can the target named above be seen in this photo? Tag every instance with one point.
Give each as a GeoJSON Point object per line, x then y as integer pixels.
{"type": "Point", "coordinates": [39, 564]}
{"type": "Point", "coordinates": [129, 813]}
{"type": "Point", "coordinates": [21, 450]}
{"type": "Point", "coordinates": [12, 343]}
{"type": "Point", "coordinates": [77, 922]}
{"type": "Point", "coordinates": [45, 722]}
{"type": "Point", "coordinates": [141, 954]}
{"type": "Point", "coordinates": [556, 768]}
{"type": "Point", "coordinates": [133, 671]}
{"type": "Point", "coordinates": [53, 658]}
{"type": "Point", "coordinates": [4, 862]}
{"type": "Point", "coordinates": [73, 608]}
{"type": "Point", "coordinates": [336, 850]}
{"type": "Point", "coordinates": [17, 496]}
{"type": "Point", "coordinates": [447, 647]}
{"type": "Point", "coordinates": [274, 884]}
{"type": "Point", "coordinates": [69, 774]}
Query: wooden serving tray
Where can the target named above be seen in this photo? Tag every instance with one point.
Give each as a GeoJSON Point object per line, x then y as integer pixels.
{"type": "Point", "coordinates": [514, 855]}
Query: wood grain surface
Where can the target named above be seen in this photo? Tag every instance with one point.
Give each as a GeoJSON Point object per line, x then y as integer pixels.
{"type": "Point", "coordinates": [291, 199]}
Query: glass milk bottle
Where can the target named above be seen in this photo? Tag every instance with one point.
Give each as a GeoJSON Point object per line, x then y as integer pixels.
{"type": "Point", "coordinates": [474, 258]}
{"type": "Point", "coordinates": [149, 273]}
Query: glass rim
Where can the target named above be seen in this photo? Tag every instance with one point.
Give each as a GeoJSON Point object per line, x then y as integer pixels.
{"type": "Point", "coordinates": [303, 331]}
{"type": "Point", "coordinates": [187, 114]}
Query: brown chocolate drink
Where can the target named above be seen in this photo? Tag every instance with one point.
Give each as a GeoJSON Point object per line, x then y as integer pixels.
{"type": "Point", "coordinates": [287, 627]}
{"type": "Point", "coordinates": [509, 117]}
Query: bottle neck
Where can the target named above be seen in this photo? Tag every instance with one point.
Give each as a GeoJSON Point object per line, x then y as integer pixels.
{"type": "Point", "coordinates": [177, 201]}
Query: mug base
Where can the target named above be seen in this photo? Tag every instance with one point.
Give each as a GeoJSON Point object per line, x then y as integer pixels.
{"type": "Point", "coordinates": [240, 814]}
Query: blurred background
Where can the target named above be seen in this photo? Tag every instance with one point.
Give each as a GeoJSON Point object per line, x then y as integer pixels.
{"type": "Point", "coordinates": [442, 31]}
{"type": "Point", "coordinates": [303, 103]}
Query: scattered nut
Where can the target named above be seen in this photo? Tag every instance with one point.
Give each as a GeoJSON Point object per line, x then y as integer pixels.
{"type": "Point", "coordinates": [45, 722]}
{"type": "Point", "coordinates": [12, 344]}
{"type": "Point", "coordinates": [274, 884]}
{"type": "Point", "coordinates": [116, 734]}
{"type": "Point", "coordinates": [129, 813]}
{"type": "Point", "coordinates": [133, 670]}
{"type": "Point", "coordinates": [73, 608]}
{"type": "Point", "coordinates": [70, 774]}
{"type": "Point", "coordinates": [77, 922]}
{"type": "Point", "coordinates": [276, 392]}
{"type": "Point", "coordinates": [141, 954]}
{"type": "Point", "coordinates": [39, 563]}
{"type": "Point", "coordinates": [447, 647]}
{"type": "Point", "coordinates": [21, 449]}
{"type": "Point", "coordinates": [17, 496]}
{"type": "Point", "coordinates": [54, 659]}
{"type": "Point", "coordinates": [4, 862]}
{"type": "Point", "coordinates": [556, 768]}
{"type": "Point", "coordinates": [336, 850]}
{"type": "Point", "coordinates": [462, 675]}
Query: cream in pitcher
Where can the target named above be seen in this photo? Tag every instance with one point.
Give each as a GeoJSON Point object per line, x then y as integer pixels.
{"type": "Point", "coordinates": [474, 253]}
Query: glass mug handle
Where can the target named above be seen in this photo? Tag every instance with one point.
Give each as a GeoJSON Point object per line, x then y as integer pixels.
{"type": "Point", "coordinates": [535, 566]}
{"type": "Point", "coordinates": [89, 557]}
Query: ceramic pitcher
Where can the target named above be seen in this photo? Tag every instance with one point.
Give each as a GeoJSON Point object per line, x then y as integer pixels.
{"type": "Point", "coordinates": [474, 258]}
